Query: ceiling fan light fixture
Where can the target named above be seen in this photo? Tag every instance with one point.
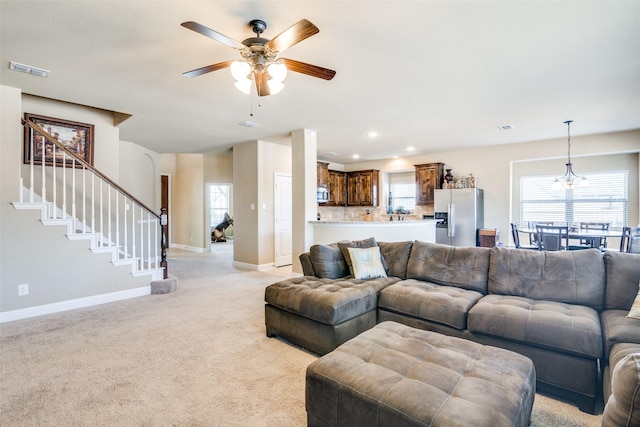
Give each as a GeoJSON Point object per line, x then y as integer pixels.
{"type": "Point", "coordinates": [240, 70]}
{"type": "Point", "coordinates": [275, 86]}
{"type": "Point", "coordinates": [277, 71]}
{"type": "Point", "coordinates": [244, 86]}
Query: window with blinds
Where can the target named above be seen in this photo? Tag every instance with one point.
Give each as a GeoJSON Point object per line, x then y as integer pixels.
{"type": "Point", "coordinates": [604, 201]}
{"type": "Point", "coordinates": [218, 202]}
{"type": "Point", "coordinates": [402, 186]}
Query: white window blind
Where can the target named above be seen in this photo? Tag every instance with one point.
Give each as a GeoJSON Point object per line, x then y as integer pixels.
{"type": "Point", "coordinates": [219, 202]}
{"type": "Point", "coordinates": [604, 201]}
{"type": "Point", "coordinates": [402, 186]}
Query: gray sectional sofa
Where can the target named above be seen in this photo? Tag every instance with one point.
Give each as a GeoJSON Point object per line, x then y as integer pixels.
{"type": "Point", "coordinates": [566, 311]}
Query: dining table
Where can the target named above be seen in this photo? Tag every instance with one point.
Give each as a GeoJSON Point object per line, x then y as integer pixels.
{"type": "Point", "coordinates": [592, 237]}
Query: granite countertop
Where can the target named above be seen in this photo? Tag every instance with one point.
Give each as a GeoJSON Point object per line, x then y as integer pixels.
{"type": "Point", "coordinates": [395, 221]}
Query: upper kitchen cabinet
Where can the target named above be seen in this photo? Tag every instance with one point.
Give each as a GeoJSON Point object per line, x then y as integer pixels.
{"type": "Point", "coordinates": [337, 188]}
{"type": "Point", "coordinates": [429, 177]}
{"type": "Point", "coordinates": [323, 174]}
{"type": "Point", "coordinates": [362, 188]}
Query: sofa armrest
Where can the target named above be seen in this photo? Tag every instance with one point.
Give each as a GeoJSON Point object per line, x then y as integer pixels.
{"type": "Point", "coordinates": [307, 266]}
{"type": "Point", "coordinates": [623, 406]}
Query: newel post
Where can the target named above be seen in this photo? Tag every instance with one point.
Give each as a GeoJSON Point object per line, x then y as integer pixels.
{"type": "Point", "coordinates": [163, 241]}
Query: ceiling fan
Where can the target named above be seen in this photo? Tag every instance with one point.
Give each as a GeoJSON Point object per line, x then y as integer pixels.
{"type": "Point", "coordinates": [259, 57]}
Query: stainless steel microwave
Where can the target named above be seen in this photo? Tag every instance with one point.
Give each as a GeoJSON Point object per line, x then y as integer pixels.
{"type": "Point", "coordinates": [323, 194]}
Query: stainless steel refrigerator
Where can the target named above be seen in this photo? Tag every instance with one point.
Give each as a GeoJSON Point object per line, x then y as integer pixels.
{"type": "Point", "coordinates": [461, 214]}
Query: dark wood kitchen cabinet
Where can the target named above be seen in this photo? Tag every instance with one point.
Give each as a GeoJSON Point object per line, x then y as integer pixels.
{"type": "Point", "coordinates": [337, 188]}
{"type": "Point", "coordinates": [429, 177]}
{"type": "Point", "coordinates": [362, 188]}
{"type": "Point", "coordinates": [323, 174]}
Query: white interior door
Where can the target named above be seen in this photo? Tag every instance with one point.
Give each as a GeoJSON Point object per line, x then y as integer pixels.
{"type": "Point", "coordinates": [283, 218]}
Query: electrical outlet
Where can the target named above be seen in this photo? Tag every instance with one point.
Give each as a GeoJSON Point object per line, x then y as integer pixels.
{"type": "Point", "coordinates": [23, 289]}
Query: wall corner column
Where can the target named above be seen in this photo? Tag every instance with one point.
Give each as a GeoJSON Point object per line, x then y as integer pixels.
{"type": "Point", "coordinates": [304, 182]}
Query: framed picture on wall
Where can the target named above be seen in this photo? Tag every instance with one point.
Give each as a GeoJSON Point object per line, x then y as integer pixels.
{"type": "Point", "coordinates": [75, 137]}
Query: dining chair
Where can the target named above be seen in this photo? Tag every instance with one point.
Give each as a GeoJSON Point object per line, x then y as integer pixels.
{"type": "Point", "coordinates": [550, 237]}
{"type": "Point", "coordinates": [603, 226]}
{"type": "Point", "coordinates": [516, 238]}
{"type": "Point", "coordinates": [630, 241]}
{"type": "Point", "coordinates": [533, 237]}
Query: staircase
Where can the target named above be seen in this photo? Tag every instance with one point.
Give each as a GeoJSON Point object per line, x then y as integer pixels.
{"type": "Point", "coordinates": [68, 191]}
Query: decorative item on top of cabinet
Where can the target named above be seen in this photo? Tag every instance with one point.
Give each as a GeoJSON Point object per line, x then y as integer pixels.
{"type": "Point", "coordinates": [323, 174]}
{"type": "Point", "coordinates": [429, 177]}
{"type": "Point", "coordinates": [337, 188]}
{"type": "Point", "coordinates": [362, 188]}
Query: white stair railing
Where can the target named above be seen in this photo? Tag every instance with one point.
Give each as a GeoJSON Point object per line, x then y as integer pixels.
{"type": "Point", "coordinates": [100, 209]}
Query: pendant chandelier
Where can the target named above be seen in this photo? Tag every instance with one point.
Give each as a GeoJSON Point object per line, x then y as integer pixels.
{"type": "Point", "coordinates": [569, 180]}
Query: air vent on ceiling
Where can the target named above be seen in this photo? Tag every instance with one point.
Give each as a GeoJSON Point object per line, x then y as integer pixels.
{"type": "Point", "coordinates": [249, 124]}
{"type": "Point", "coordinates": [28, 69]}
{"type": "Point", "coordinates": [506, 127]}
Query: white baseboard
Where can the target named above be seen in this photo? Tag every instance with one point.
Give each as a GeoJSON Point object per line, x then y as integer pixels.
{"type": "Point", "coordinates": [254, 267]}
{"type": "Point", "coordinates": [188, 248]}
{"type": "Point", "coordinates": [56, 307]}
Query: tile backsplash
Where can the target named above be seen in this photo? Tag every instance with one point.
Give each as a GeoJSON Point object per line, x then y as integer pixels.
{"type": "Point", "coordinates": [357, 213]}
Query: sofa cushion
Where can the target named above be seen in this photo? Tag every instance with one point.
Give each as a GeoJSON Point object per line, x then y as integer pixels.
{"type": "Point", "coordinates": [618, 352]}
{"type": "Point", "coordinates": [366, 243]}
{"type": "Point", "coordinates": [623, 275]}
{"type": "Point", "coordinates": [618, 328]}
{"type": "Point", "coordinates": [447, 305]}
{"type": "Point", "coordinates": [565, 327]}
{"type": "Point", "coordinates": [366, 263]}
{"type": "Point", "coordinates": [463, 267]}
{"type": "Point", "coordinates": [623, 406]}
{"type": "Point", "coordinates": [572, 277]}
{"type": "Point", "coordinates": [328, 261]}
{"type": "Point", "coordinates": [325, 300]}
{"type": "Point", "coordinates": [396, 255]}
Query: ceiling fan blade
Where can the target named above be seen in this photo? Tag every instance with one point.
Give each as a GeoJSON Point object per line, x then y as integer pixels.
{"type": "Point", "coordinates": [261, 84]}
{"type": "Point", "coordinates": [292, 35]}
{"type": "Point", "coordinates": [308, 69]}
{"type": "Point", "coordinates": [208, 32]}
{"type": "Point", "coordinates": [207, 69]}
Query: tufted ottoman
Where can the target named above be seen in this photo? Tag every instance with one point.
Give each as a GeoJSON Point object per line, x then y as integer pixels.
{"type": "Point", "coordinates": [395, 375]}
{"type": "Point", "coordinates": [320, 314]}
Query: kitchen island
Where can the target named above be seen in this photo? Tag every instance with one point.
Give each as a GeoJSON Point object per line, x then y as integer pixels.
{"type": "Point", "coordinates": [384, 231]}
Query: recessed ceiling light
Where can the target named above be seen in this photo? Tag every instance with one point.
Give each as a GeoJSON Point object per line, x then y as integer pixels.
{"type": "Point", "coordinates": [395, 157]}
{"type": "Point", "coordinates": [28, 69]}
{"type": "Point", "coordinates": [410, 148]}
{"type": "Point", "coordinates": [249, 124]}
{"type": "Point", "coordinates": [372, 134]}
{"type": "Point", "coordinates": [356, 156]}
{"type": "Point", "coordinates": [506, 127]}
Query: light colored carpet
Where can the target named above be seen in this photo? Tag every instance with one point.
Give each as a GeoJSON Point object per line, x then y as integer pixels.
{"type": "Point", "coordinates": [196, 357]}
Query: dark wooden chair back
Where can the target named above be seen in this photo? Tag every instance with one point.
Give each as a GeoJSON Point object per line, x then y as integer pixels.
{"type": "Point", "coordinates": [550, 237]}
{"type": "Point", "coordinates": [604, 226]}
{"type": "Point", "coordinates": [630, 241]}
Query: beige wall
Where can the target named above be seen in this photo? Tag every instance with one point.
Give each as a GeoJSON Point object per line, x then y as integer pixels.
{"type": "Point", "coordinates": [255, 166]}
{"type": "Point", "coordinates": [218, 168]}
{"type": "Point", "coordinates": [245, 219]}
{"type": "Point", "coordinates": [187, 202]}
{"type": "Point", "coordinates": [55, 268]}
{"type": "Point", "coordinates": [492, 165]}
{"type": "Point", "coordinates": [189, 175]}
